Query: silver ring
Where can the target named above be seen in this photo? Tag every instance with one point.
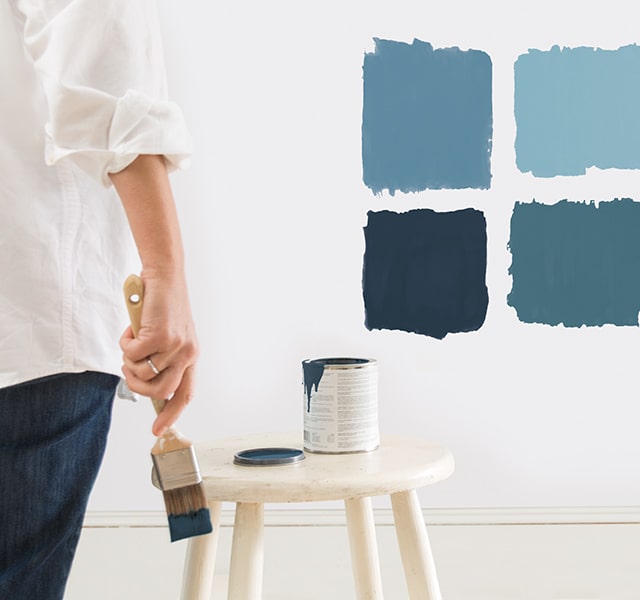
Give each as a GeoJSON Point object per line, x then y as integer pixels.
{"type": "Point", "coordinates": [153, 367]}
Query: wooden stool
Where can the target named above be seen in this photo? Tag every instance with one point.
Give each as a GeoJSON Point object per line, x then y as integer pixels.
{"type": "Point", "coordinates": [398, 467]}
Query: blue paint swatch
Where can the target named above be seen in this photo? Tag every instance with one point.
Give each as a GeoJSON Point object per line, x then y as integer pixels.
{"type": "Point", "coordinates": [424, 271]}
{"type": "Point", "coordinates": [577, 108]}
{"type": "Point", "coordinates": [576, 263]}
{"type": "Point", "coordinates": [427, 118]}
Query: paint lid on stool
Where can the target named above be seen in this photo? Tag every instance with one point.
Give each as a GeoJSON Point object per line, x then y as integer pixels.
{"type": "Point", "coordinates": [263, 457]}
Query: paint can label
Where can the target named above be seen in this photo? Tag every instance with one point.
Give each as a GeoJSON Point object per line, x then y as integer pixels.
{"type": "Point", "coordinates": [340, 405]}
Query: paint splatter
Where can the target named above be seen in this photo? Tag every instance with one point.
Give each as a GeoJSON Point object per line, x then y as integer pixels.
{"type": "Point", "coordinates": [427, 118]}
{"type": "Point", "coordinates": [576, 263]}
{"type": "Point", "coordinates": [577, 108]}
{"type": "Point", "coordinates": [424, 271]}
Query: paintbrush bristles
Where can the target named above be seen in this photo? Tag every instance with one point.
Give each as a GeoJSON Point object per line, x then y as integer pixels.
{"type": "Point", "coordinates": [185, 500]}
{"type": "Point", "coordinates": [188, 513]}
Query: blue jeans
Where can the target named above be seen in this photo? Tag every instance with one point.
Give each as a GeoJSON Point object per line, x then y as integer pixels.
{"type": "Point", "coordinates": [53, 434]}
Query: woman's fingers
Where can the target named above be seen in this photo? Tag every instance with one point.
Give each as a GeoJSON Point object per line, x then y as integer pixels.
{"type": "Point", "coordinates": [161, 386]}
{"type": "Point", "coordinates": [147, 369]}
{"type": "Point", "coordinates": [158, 374]}
{"type": "Point", "coordinates": [174, 407]}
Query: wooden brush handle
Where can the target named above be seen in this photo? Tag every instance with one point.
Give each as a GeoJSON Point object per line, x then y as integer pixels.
{"type": "Point", "coordinates": [133, 296]}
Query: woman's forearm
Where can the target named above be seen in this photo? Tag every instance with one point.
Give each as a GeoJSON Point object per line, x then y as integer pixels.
{"type": "Point", "coordinates": [147, 197]}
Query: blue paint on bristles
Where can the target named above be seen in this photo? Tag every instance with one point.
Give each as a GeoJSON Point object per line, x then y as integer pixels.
{"type": "Point", "coordinates": [187, 511]}
{"type": "Point", "coordinates": [190, 524]}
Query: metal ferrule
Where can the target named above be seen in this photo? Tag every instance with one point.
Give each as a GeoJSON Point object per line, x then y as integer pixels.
{"type": "Point", "coordinates": [176, 469]}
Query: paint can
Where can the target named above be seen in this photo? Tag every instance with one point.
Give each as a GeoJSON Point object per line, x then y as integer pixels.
{"type": "Point", "coordinates": [340, 405]}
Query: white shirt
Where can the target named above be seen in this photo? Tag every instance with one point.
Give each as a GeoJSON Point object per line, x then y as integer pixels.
{"type": "Point", "coordinates": [83, 94]}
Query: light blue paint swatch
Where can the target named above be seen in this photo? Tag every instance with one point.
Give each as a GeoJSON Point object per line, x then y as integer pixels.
{"type": "Point", "coordinates": [427, 118]}
{"type": "Point", "coordinates": [576, 263]}
{"type": "Point", "coordinates": [577, 108]}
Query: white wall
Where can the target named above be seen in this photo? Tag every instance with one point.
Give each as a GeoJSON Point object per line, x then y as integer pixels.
{"type": "Point", "coordinates": [273, 209]}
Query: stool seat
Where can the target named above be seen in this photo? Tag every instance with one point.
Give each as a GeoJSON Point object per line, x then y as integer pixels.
{"type": "Point", "coordinates": [400, 463]}
{"type": "Point", "coordinates": [398, 467]}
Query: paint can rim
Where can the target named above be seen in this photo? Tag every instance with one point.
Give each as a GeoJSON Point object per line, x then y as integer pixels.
{"type": "Point", "coordinates": [341, 362]}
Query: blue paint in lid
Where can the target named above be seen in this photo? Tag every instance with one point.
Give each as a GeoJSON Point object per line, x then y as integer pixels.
{"type": "Point", "coordinates": [261, 457]}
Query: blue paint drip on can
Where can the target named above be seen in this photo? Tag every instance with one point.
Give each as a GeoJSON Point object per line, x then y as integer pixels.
{"type": "Point", "coordinates": [312, 371]}
{"type": "Point", "coordinates": [340, 405]}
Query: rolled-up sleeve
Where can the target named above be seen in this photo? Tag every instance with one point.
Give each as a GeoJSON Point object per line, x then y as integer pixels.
{"type": "Point", "coordinates": [102, 69]}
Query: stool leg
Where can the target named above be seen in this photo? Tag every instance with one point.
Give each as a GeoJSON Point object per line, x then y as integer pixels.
{"type": "Point", "coordinates": [197, 578]}
{"type": "Point", "coordinates": [364, 548]}
{"type": "Point", "coordinates": [247, 552]}
{"type": "Point", "coordinates": [419, 568]}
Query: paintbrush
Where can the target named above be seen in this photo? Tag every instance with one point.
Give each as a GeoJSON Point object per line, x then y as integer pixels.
{"type": "Point", "coordinates": [174, 458]}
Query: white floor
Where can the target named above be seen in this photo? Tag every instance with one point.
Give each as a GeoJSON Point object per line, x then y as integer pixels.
{"type": "Point", "coordinates": [475, 562]}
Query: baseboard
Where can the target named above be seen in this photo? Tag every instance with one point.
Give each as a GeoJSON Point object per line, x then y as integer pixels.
{"type": "Point", "coordinates": [302, 517]}
{"type": "Point", "coordinates": [481, 554]}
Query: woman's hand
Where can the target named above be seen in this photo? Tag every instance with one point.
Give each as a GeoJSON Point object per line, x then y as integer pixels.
{"type": "Point", "coordinates": [168, 339]}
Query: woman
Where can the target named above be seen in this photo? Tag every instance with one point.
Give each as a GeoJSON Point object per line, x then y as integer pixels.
{"type": "Point", "coordinates": [87, 139]}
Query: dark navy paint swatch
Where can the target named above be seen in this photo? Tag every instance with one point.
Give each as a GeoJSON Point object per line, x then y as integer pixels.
{"type": "Point", "coordinates": [427, 118]}
{"type": "Point", "coordinates": [576, 263]}
{"type": "Point", "coordinates": [577, 108]}
{"type": "Point", "coordinates": [424, 271]}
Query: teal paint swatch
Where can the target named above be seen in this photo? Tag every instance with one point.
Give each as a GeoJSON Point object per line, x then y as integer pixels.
{"type": "Point", "coordinates": [577, 108]}
{"type": "Point", "coordinates": [427, 118]}
{"type": "Point", "coordinates": [424, 271]}
{"type": "Point", "coordinates": [576, 263]}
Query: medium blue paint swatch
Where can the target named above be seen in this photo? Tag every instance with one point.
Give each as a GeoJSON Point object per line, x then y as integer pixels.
{"type": "Point", "coordinates": [427, 118]}
{"type": "Point", "coordinates": [576, 263]}
{"type": "Point", "coordinates": [577, 108]}
{"type": "Point", "coordinates": [424, 271]}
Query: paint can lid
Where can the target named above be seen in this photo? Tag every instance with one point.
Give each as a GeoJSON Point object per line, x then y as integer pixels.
{"type": "Point", "coordinates": [262, 457]}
